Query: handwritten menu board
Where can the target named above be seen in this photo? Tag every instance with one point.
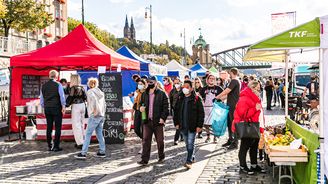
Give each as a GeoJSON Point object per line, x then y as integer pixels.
{"type": "Point", "coordinates": [31, 86]}
{"type": "Point", "coordinates": [111, 85]}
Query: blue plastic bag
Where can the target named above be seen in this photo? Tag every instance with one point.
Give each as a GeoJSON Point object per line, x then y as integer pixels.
{"type": "Point", "coordinates": [219, 118]}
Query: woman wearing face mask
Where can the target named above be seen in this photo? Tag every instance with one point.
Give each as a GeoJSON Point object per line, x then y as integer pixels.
{"type": "Point", "coordinates": [208, 93]}
{"type": "Point", "coordinates": [174, 96]}
{"type": "Point", "coordinates": [248, 109]}
{"type": "Point", "coordinates": [142, 86]}
{"type": "Point", "coordinates": [168, 85]}
{"type": "Point", "coordinates": [198, 86]}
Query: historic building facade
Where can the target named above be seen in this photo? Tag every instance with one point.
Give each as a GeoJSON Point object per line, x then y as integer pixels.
{"type": "Point", "coordinates": [201, 52]}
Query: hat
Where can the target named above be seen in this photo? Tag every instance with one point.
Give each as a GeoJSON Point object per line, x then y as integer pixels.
{"type": "Point", "coordinates": [154, 78]}
{"type": "Point", "coordinates": [144, 77]}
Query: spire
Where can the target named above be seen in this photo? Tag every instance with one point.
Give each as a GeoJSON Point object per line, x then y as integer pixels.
{"type": "Point", "coordinates": [132, 26]}
{"type": "Point", "coordinates": [126, 21]}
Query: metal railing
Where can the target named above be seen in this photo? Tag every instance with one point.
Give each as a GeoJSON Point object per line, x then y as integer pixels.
{"type": "Point", "coordinates": [16, 45]}
{"type": "Point", "coordinates": [4, 101]}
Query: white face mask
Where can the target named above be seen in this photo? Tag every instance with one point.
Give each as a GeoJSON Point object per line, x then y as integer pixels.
{"type": "Point", "coordinates": [141, 87]}
{"type": "Point", "coordinates": [185, 91]}
{"type": "Point", "coordinates": [177, 86]}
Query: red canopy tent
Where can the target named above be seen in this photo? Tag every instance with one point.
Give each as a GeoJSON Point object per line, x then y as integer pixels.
{"type": "Point", "coordinates": [79, 50]}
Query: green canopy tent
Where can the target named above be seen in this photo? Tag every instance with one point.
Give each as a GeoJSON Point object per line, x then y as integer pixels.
{"type": "Point", "coordinates": [213, 70]}
{"type": "Point", "coordinates": [313, 34]}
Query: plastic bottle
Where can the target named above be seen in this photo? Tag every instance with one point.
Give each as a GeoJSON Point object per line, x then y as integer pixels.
{"type": "Point", "coordinates": [143, 114]}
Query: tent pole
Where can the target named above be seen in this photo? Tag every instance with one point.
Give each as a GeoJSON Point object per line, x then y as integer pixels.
{"type": "Point", "coordinates": [286, 83]}
{"type": "Point", "coordinates": [321, 127]}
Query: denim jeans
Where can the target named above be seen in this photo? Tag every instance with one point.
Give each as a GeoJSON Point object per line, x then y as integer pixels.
{"type": "Point", "coordinates": [189, 138]}
{"type": "Point", "coordinates": [94, 123]}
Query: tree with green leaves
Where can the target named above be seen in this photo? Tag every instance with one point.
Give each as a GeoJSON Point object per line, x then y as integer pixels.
{"type": "Point", "coordinates": [24, 15]}
{"type": "Point", "coordinates": [3, 9]}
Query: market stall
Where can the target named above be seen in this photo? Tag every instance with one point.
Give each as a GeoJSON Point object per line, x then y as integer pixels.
{"type": "Point", "coordinates": [308, 36]}
{"type": "Point", "coordinates": [79, 50]}
{"type": "Point", "coordinates": [198, 69]}
{"type": "Point", "coordinates": [175, 69]}
{"type": "Point", "coordinates": [146, 67]}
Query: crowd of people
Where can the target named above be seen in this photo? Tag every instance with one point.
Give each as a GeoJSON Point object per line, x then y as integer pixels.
{"type": "Point", "coordinates": [188, 101]}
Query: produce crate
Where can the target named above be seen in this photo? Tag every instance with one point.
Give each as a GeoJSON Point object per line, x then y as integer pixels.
{"type": "Point", "coordinates": [285, 154]}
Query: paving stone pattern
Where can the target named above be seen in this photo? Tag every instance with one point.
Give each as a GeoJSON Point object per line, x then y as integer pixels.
{"type": "Point", "coordinates": [29, 162]}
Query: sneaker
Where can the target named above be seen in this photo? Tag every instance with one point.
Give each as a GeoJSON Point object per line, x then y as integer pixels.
{"type": "Point", "coordinates": [188, 165]}
{"type": "Point", "coordinates": [161, 160]}
{"type": "Point", "coordinates": [246, 170]}
{"type": "Point", "coordinates": [226, 144]}
{"type": "Point", "coordinates": [101, 155]}
{"type": "Point", "coordinates": [143, 163]}
{"type": "Point", "coordinates": [232, 146]}
{"type": "Point", "coordinates": [258, 169]}
{"type": "Point", "coordinates": [215, 141]}
{"type": "Point", "coordinates": [207, 140]}
{"type": "Point", "coordinates": [80, 156]}
{"type": "Point", "coordinates": [57, 149]}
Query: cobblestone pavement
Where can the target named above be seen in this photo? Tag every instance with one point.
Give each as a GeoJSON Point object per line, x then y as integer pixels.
{"type": "Point", "coordinates": [29, 162]}
{"type": "Point", "coordinates": [223, 166]}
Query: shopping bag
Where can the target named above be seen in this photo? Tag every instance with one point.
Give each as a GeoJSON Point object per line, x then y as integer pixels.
{"type": "Point", "coordinates": [219, 118]}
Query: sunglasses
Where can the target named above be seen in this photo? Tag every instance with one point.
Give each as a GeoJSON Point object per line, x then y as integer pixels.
{"type": "Point", "coordinates": [197, 82]}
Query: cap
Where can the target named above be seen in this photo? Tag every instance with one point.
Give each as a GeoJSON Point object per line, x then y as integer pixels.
{"type": "Point", "coordinates": [154, 78]}
{"type": "Point", "coordinates": [144, 77]}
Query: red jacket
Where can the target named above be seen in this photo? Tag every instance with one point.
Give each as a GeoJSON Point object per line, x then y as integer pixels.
{"type": "Point", "coordinates": [168, 88]}
{"type": "Point", "coordinates": [246, 108]}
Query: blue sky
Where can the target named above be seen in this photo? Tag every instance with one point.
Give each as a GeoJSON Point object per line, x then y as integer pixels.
{"type": "Point", "coordinates": [225, 23]}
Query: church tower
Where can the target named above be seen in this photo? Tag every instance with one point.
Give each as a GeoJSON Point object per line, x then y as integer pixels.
{"type": "Point", "coordinates": [132, 30]}
{"type": "Point", "coordinates": [126, 31]}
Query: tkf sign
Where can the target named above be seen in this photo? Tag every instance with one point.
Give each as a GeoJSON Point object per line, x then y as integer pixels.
{"type": "Point", "coordinates": [111, 85]}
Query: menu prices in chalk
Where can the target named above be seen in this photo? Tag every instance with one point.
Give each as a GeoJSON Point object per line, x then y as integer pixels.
{"type": "Point", "coordinates": [31, 86]}
{"type": "Point", "coordinates": [111, 85]}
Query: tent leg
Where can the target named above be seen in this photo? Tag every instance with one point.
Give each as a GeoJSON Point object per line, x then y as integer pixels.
{"type": "Point", "coordinates": [321, 111]}
{"type": "Point", "coordinates": [9, 139]}
{"type": "Point", "coordinates": [286, 83]}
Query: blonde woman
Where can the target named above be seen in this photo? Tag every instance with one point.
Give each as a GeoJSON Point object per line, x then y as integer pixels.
{"type": "Point", "coordinates": [96, 112]}
{"type": "Point", "coordinates": [77, 98]}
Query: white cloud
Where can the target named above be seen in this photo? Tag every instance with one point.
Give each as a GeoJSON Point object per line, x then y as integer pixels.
{"type": "Point", "coordinates": [223, 32]}
{"type": "Point", "coordinates": [73, 7]}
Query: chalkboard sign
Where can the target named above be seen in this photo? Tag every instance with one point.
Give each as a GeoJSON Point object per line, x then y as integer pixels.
{"type": "Point", "coordinates": [31, 86]}
{"type": "Point", "coordinates": [111, 85]}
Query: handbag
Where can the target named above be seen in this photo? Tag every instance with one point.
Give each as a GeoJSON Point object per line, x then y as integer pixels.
{"type": "Point", "coordinates": [248, 129]}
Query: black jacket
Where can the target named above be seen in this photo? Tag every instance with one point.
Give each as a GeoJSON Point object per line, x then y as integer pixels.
{"type": "Point", "coordinates": [174, 96]}
{"type": "Point", "coordinates": [195, 111]}
{"type": "Point", "coordinates": [161, 105]}
{"type": "Point", "coordinates": [51, 95]}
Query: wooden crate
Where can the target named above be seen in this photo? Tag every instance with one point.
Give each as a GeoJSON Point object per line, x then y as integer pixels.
{"type": "Point", "coordinates": [285, 154]}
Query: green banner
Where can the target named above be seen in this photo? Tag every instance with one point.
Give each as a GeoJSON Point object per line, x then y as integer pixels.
{"type": "Point", "coordinates": [305, 172]}
{"type": "Point", "coordinates": [305, 35]}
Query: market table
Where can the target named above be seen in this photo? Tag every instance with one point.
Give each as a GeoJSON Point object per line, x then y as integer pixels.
{"type": "Point", "coordinates": [305, 172]}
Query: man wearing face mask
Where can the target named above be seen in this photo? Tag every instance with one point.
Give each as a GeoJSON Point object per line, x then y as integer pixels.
{"type": "Point", "coordinates": [155, 103]}
{"type": "Point", "coordinates": [208, 93]}
{"type": "Point", "coordinates": [189, 118]}
{"type": "Point", "coordinates": [174, 96]}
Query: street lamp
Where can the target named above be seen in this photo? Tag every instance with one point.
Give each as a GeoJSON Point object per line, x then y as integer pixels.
{"type": "Point", "coordinates": [83, 12]}
{"type": "Point", "coordinates": [151, 26]}
{"type": "Point", "coordinates": [184, 46]}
